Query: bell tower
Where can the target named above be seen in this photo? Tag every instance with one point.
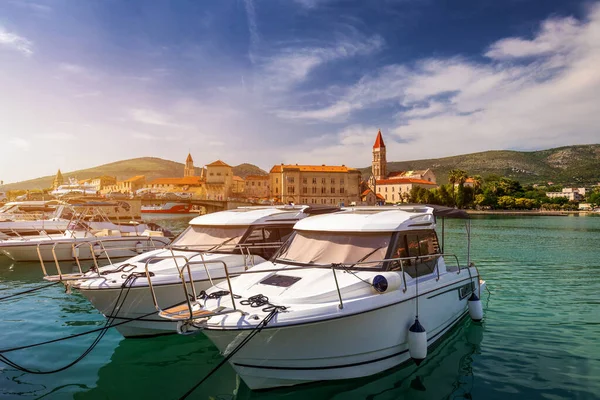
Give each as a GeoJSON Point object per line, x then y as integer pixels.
{"type": "Point", "coordinates": [189, 166]}
{"type": "Point", "coordinates": [379, 164]}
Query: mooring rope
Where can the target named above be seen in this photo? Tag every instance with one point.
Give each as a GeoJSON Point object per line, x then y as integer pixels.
{"type": "Point", "coordinates": [118, 303]}
{"type": "Point", "coordinates": [28, 291]}
{"type": "Point", "coordinates": [253, 333]}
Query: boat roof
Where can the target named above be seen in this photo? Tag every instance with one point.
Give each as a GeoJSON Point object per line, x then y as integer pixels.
{"type": "Point", "coordinates": [35, 203]}
{"type": "Point", "coordinates": [371, 219]}
{"type": "Point", "coordinates": [244, 216]}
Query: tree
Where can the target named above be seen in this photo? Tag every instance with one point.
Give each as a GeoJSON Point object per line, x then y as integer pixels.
{"type": "Point", "coordinates": [506, 202]}
{"type": "Point", "coordinates": [457, 178]}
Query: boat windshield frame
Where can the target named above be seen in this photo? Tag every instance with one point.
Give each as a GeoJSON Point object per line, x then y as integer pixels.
{"type": "Point", "coordinates": [356, 266]}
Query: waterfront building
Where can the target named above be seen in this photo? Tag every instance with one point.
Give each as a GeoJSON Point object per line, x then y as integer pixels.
{"type": "Point", "coordinates": [257, 186]}
{"type": "Point", "coordinates": [368, 198]}
{"type": "Point", "coordinates": [396, 186]}
{"type": "Point", "coordinates": [176, 184]}
{"type": "Point", "coordinates": [130, 185]}
{"type": "Point", "coordinates": [237, 185]}
{"type": "Point", "coordinates": [100, 182]}
{"type": "Point", "coordinates": [572, 194]}
{"type": "Point", "coordinates": [314, 184]}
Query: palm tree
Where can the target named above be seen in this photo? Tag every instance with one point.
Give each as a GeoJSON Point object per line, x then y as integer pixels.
{"type": "Point", "coordinates": [457, 177]}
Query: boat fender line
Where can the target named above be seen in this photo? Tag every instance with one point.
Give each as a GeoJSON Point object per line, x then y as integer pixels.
{"type": "Point", "coordinates": [386, 282]}
{"type": "Point", "coordinates": [475, 308]}
{"type": "Point", "coordinates": [417, 342]}
{"type": "Point", "coordinates": [28, 291]}
{"type": "Point", "coordinates": [252, 333]}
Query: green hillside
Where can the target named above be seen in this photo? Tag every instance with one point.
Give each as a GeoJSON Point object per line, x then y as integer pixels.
{"type": "Point", "coordinates": [563, 165]}
{"type": "Point", "coordinates": [151, 167]}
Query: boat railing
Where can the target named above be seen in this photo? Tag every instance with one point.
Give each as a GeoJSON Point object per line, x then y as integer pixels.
{"type": "Point", "coordinates": [185, 311]}
{"type": "Point", "coordinates": [97, 249]}
{"type": "Point", "coordinates": [190, 293]}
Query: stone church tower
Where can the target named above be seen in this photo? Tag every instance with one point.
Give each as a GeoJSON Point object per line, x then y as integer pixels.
{"type": "Point", "coordinates": [58, 180]}
{"type": "Point", "coordinates": [189, 166]}
{"type": "Point", "coordinates": [379, 164]}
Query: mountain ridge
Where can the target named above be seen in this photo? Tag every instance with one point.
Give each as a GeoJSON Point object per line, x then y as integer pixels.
{"type": "Point", "coordinates": [151, 167]}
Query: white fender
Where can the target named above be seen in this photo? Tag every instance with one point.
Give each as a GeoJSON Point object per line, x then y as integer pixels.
{"type": "Point", "coordinates": [475, 308]}
{"type": "Point", "coordinates": [97, 249]}
{"type": "Point", "coordinates": [75, 252]}
{"type": "Point", "coordinates": [417, 342]}
{"type": "Point", "coordinates": [139, 248]}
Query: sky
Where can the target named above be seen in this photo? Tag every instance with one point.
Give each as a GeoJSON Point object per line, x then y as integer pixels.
{"type": "Point", "coordinates": [87, 82]}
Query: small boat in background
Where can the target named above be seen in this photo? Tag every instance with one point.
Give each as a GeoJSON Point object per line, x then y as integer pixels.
{"type": "Point", "coordinates": [168, 208]}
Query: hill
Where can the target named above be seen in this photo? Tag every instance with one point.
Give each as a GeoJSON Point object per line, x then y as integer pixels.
{"type": "Point", "coordinates": [571, 165]}
{"type": "Point", "coordinates": [151, 167]}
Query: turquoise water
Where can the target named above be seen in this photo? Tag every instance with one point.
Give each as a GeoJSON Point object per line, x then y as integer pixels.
{"type": "Point", "coordinates": [540, 338]}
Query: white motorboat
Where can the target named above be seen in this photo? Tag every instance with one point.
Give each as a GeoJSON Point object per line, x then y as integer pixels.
{"type": "Point", "coordinates": [82, 244]}
{"type": "Point", "coordinates": [240, 238]}
{"type": "Point", "coordinates": [345, 297]}
{"type": "Point", "coordinates": [23, 218]}
{"type": "Point", "coordinates": [74, 188]}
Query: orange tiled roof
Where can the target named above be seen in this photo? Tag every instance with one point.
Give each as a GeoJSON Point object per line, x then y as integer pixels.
{"type": "Point", "coordinates": [188, 180]}
{"type": "Point", "coordinates": [238, 178]}
{"type": "Point", "coordinates": [218, 163]}
{"type": "Point", "coordinates": [404, 180]}
{"type": "Point", "coordinates": [135, 178]}
{"type": "Point", "coordinates": [470, 180]}
{"type": "Point", "coordinates": [379, 141]}
{"type": "Point", "coordinates": [380, 196]}
{"type": "Point", "coordinates": [366, 192]}
{"type": "Point", "coordinates": [257, 177]}
{"type": "Point", "coordinates": [311, 168]}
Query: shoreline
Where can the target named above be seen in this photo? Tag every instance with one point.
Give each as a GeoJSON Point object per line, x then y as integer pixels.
{"type": "Point", "coordinates": [531, 212]}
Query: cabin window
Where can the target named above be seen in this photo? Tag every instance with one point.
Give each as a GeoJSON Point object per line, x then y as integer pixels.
{"type": "Point", "coordinates": [197, 237]}
{"type": "Point", "coordinates": [326, 248]}
{"type": "Point", "coordinates": [265, 241]}
{"type": "Point", "coordinates": [417, 250]}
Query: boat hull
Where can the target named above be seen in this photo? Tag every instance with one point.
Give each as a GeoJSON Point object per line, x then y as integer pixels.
{"type": "Point", "coordinates": [345, 347]}
{"type": "Point", "coordinates": [28, 251]}
{"type": "Point", "coordinates": [138, 302]}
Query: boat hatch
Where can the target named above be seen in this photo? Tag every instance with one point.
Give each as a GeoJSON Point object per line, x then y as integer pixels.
{"type": "Point", "coordinates": [280, 280]}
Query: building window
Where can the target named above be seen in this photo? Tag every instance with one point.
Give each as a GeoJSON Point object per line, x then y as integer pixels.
{"type": "Point", "coordinates": [333, 181]}
{"type": "Point", "coordinates": [314, 190]}
{"type": "Point", "coordinates": [276, 180]}
{"type": "Point", "coordinates": [258, 184]}
{"type": "Point", "coordinates": [386, 191]}
{"type": "Point", "coordinates": [291, 179]}
{"type": "Point", "coordinates": [386, 197]}
{"type": "Point", "coordinates": [341, 181]}
{"type": "Point", "coordinates": [218, 174]}
{"type": "Point", "coordinates": [332, 190]}
{"type": "Point", "coordinates": [392, 188]}
{"type": "Point", "coordinates": [314, 181]}
{"type": "Point", "coordinates": [392, 197]}
{"type": "Point", "coordinates": [304, 181]}
{"type": "Point", "coordinates": [341, 190]}
{"type": "Point", "coordinates": [323, 190]}
{"type": "Point", "coordinates": [276, 190]}
{"type": "Point", "coordinates": [304, 190]}
{"type": "Point", "coordinates": [252, 183]}
{"type": "Point", "coordinates": [291, 189]}
{"type": "Point", "coordinates": [322, 181]}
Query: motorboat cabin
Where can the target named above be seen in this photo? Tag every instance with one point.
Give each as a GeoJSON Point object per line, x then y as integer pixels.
{"type": "Point", "coordinates": [339, 300]}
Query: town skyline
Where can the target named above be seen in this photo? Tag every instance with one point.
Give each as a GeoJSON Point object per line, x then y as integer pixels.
{"type": "Point", "coordinates": [302, 81]}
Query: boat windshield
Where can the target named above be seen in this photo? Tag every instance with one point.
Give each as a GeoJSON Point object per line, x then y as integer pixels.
{"type": "Point", "coordinates": [308, 247]}
{"type": "Point", "coordinates": [203, 238]}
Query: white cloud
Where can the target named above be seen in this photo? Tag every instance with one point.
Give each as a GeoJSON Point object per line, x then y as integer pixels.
{"type": "Point", "coordinates": [57, 136]}
{"type": "Point", "coordinates": [149, 117]}
{"type": "Point", "coordinates": [293, 65]}
{"type": "Point", "coordinates": [15, 42]}
{"type": "Point", "coordinates": [20, 143]}
{"type": "Point", "coordinates": [252, 27]}
{"type": "Point", "coordinates": [555, 36]}
{"type": "Point", "coordinates": [452, 105]}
